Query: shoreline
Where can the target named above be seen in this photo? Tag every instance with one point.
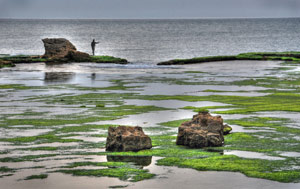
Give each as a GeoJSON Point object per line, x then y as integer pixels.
{"type": "Point", "coordinates": [293, 56]}
{"type": "Point", "coordinates": [10, 61]}
{"type": "Point", "coordinates": [285, 56]}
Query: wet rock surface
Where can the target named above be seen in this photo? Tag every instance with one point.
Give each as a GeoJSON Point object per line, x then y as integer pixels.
{"type": "Point", "coordinates": [62, 50]}
{"type": "Point", "coordinates": [204, 130]}
{"type": "Point", "coordinates": [127, 139]}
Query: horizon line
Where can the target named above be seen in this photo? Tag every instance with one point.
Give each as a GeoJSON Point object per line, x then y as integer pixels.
{"type": "Point", "coordinates": [163, 18]}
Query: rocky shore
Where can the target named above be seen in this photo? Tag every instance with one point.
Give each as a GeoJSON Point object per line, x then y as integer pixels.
{"type": "Point", "coordinates": [285, 56]}
{"type": "Point", "coordinates": [58, 50]}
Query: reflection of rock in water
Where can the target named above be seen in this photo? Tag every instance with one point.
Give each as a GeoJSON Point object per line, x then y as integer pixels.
{"type": "Point", "coordinates": [52, 77]}
{"type": "Point", "coordinates": [220, 151]}
{"type": "Point", "coordinates": [137, 160]}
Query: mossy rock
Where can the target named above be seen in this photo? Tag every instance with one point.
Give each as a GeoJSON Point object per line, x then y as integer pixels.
{"type": "Point", "coordinates": [6, 63]}
{"type": "Point", "coordinates": [227, 129]}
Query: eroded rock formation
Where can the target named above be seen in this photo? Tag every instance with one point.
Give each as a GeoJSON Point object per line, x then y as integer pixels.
{"type": "Point", "coordinates": [127, 139]}
{"type": "Point", "coordinates": [203, 130]}
{"type": "Point", "coordinates": [62, 50]}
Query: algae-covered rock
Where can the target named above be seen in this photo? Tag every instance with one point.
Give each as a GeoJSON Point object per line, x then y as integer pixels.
{"type": "Point", "coordinates": [227, 129]}
{"type": "Point", "coordinates": [203, 130]}
{"type": "Point", "coordinates": [5, 63]}
{"type": "Point", "coordinates": [127, 139]}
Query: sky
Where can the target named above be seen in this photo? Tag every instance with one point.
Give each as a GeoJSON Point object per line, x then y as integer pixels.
{"type": "Point", "coordinates": [122, 9]}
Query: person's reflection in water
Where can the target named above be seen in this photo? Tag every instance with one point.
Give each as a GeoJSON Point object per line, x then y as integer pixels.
{"type": "Point", "coordinates": [93, 76]}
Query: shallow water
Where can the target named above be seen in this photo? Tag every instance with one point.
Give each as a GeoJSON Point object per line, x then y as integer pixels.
{"type": "Point", "coordinates": [254, 155]}
{"type": "Point", "coordinates": [172, 103]}
{"type": "Point", "coordinates": [150, 119]}
{"type": "Point", "coordinates": [168, 177]}
{"type": "Point", "coordinates": [151, 80]}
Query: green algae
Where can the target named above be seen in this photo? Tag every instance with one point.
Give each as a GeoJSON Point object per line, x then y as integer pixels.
{"type": "Point", "coordinates": [250, 167]}
{"type": "Point", "coordinates": [108, 59]}
{"type": "Point", "coordinates": [197, 60]}
{"type": "Point", "coordinates": [41, 176]}
{"type": "Point", "coordinates": [26, 158]}
{"type": "Point", "coordinates": [175, 123]}
{"type": "Point", "coordinates": [284, 56]}
{"type": "Point", "coordinates": [101, 164]}
{"type": "Point", "coordinates": [101, 113]}
{"type": "Point", "coordinates": [118, 186]}
{"type": "Point", "coordinates": [4, 64]}
{"type": "Point", "coordinates": [130, 174]}
{"type": "Point", "coordinates": [43, 148]}
{"type": "Point", "coordinates": [121, 170]}
{"type": "Point", "coordinates": [16, 87]}
{"type": "Point", "coordinates": [280, 101]}
{"type": "Point", "coordinates": [6, 170]}
{"type": "Point", "coordinates": [24, 59]}
{"type": "Point", "coordinates": [38, 58]}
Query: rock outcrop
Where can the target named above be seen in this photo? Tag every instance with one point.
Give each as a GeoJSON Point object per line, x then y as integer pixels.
{"type": "Point", "coordinates": [5, 63]}
{"type": "Point", "coordinates": [203, 130]}
{"type": "Point", "coordinates": [62, 50]}
{"type": "Point", "coordinates": [123, 139]}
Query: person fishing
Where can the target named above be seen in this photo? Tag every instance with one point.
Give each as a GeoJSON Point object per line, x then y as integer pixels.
{"type": "Point", "coordinates": [93, 44]}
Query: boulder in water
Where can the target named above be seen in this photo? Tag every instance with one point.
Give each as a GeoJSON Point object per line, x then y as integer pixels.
{"type": "Point", "coordinates": [204, 130]}
{"type": "Point", "coordinates": [123, 139]}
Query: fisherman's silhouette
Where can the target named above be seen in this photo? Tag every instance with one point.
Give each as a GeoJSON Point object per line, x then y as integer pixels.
{"type": "Point", "coordinates": [93, 44]}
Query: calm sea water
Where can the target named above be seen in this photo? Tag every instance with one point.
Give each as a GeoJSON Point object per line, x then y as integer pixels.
{"type": "Point", "coordinates": [151, 41]}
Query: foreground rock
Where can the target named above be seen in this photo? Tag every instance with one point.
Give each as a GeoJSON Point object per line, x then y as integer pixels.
{"type": "Point", "coordinates": [123, 139]}
{"type": "Point", "coordinates": [62, 50]}
{"type": "Point", "coordinates": [203, 130]}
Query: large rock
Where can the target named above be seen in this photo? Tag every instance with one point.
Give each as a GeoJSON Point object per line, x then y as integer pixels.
{"type": "Point", "coordinates": [78, 56]}
{"type": "Point", "coordinates": [203, 130]}
{"type": "Point", "coordinates": [62, 50]}
{"type": "Point", "coordinates": [123, 139]}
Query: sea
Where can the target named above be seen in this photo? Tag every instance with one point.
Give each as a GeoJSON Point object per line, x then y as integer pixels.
{"type": "Point", "coordinates": [150, 41]}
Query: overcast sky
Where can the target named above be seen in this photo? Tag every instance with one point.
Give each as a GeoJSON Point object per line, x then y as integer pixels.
{"type": "Point", "coordinates": [148, 8]}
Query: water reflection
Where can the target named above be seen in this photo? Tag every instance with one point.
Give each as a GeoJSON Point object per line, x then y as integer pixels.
{"type": "Point", "coordinates": [58, 77]}
{"type": "Point", "coordinates": [137, 160]}
{"type": "Point", "coordinates": [93, 76]}
{"type": "Point", "coordinates": [220, 151]}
